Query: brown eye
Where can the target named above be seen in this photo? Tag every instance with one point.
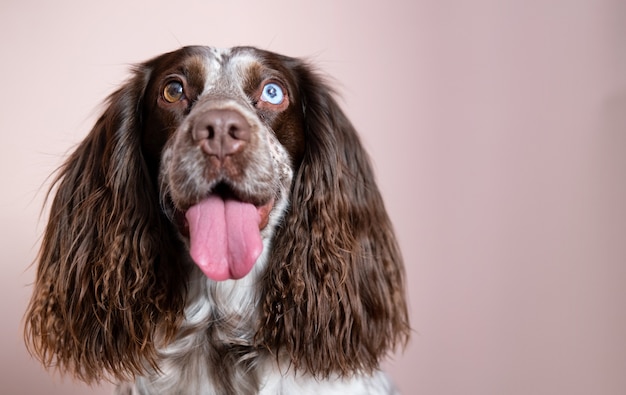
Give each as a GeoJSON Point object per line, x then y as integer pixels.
{"type": "Point", "coordinates": [173, 91]}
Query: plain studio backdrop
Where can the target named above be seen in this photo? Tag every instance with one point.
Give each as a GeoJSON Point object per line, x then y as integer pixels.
{"type": "Point", "coordinates": [498, 134]}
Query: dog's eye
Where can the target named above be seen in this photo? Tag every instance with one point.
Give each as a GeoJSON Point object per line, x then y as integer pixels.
{"type": "Point", "coordinates": [173, 91]}
{"type": "Point", "coordinates": [272, 93]}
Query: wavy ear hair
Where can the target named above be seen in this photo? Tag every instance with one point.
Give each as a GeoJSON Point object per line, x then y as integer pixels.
{"type": "Point", "coordinates": [334, 296]}
{"type": "Point", "coordinates": [103, 290]}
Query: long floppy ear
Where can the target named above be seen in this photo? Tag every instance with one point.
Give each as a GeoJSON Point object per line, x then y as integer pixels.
{"type": "Point", "coordinates": [107, 284]}
{"type": "Point", "coordinates": [334, 296]}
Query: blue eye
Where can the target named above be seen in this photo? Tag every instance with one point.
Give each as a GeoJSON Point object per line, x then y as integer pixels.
{"type": "Point", "coordinates": [272, 93]}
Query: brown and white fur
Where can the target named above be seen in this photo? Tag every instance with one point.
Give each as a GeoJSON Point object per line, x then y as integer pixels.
{"type": "Point", "coordinates": [118, 294]}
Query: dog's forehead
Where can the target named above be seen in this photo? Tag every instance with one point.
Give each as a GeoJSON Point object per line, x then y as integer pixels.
{"type": "Point", "coordinates": [230, 66]}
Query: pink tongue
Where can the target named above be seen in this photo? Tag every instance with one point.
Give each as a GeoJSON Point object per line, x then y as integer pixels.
{"type": "Point", "coordinates": [224, 237]}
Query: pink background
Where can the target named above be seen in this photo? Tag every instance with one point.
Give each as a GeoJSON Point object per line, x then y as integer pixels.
{"type": "Point", "coordinates": [497, 129]}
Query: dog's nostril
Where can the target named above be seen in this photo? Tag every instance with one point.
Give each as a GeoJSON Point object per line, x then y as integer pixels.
{"type": "Point", "coordinates": [221, 132]}
{"type": "Point", "coordinates": [233, 131]}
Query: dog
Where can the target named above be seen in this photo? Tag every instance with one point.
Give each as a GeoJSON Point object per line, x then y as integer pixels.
{"type": "Point", "coordinates": [220, 231]}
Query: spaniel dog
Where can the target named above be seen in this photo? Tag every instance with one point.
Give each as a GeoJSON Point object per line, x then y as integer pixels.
{"type": "Point", "coordinates": [219, 231]}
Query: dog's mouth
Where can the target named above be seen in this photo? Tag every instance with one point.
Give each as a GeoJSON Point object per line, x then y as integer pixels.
{"type": "Point", "coordinates": [225, 233]}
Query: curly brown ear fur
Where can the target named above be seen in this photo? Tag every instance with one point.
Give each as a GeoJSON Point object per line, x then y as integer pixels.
{"type": "Point", "coordinates": [103, 291]}
{"type": "Point", "coordinates": [334, 296]}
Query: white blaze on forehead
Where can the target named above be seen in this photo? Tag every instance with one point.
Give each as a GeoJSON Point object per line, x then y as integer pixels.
{"type": "Point", "coordinates": [214, 61]}
{"type": "Point", "coordinates": [227, 70]}
{"type": "Point", "coordinates": [220, 52]}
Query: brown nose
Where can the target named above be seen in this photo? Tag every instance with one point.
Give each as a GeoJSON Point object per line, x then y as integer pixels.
{"type": "Point", "coordinates": [221, 132]}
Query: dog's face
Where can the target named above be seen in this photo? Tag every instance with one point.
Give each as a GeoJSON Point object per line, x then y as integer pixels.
{"type": "Point", "coordinates": [223, 132]}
